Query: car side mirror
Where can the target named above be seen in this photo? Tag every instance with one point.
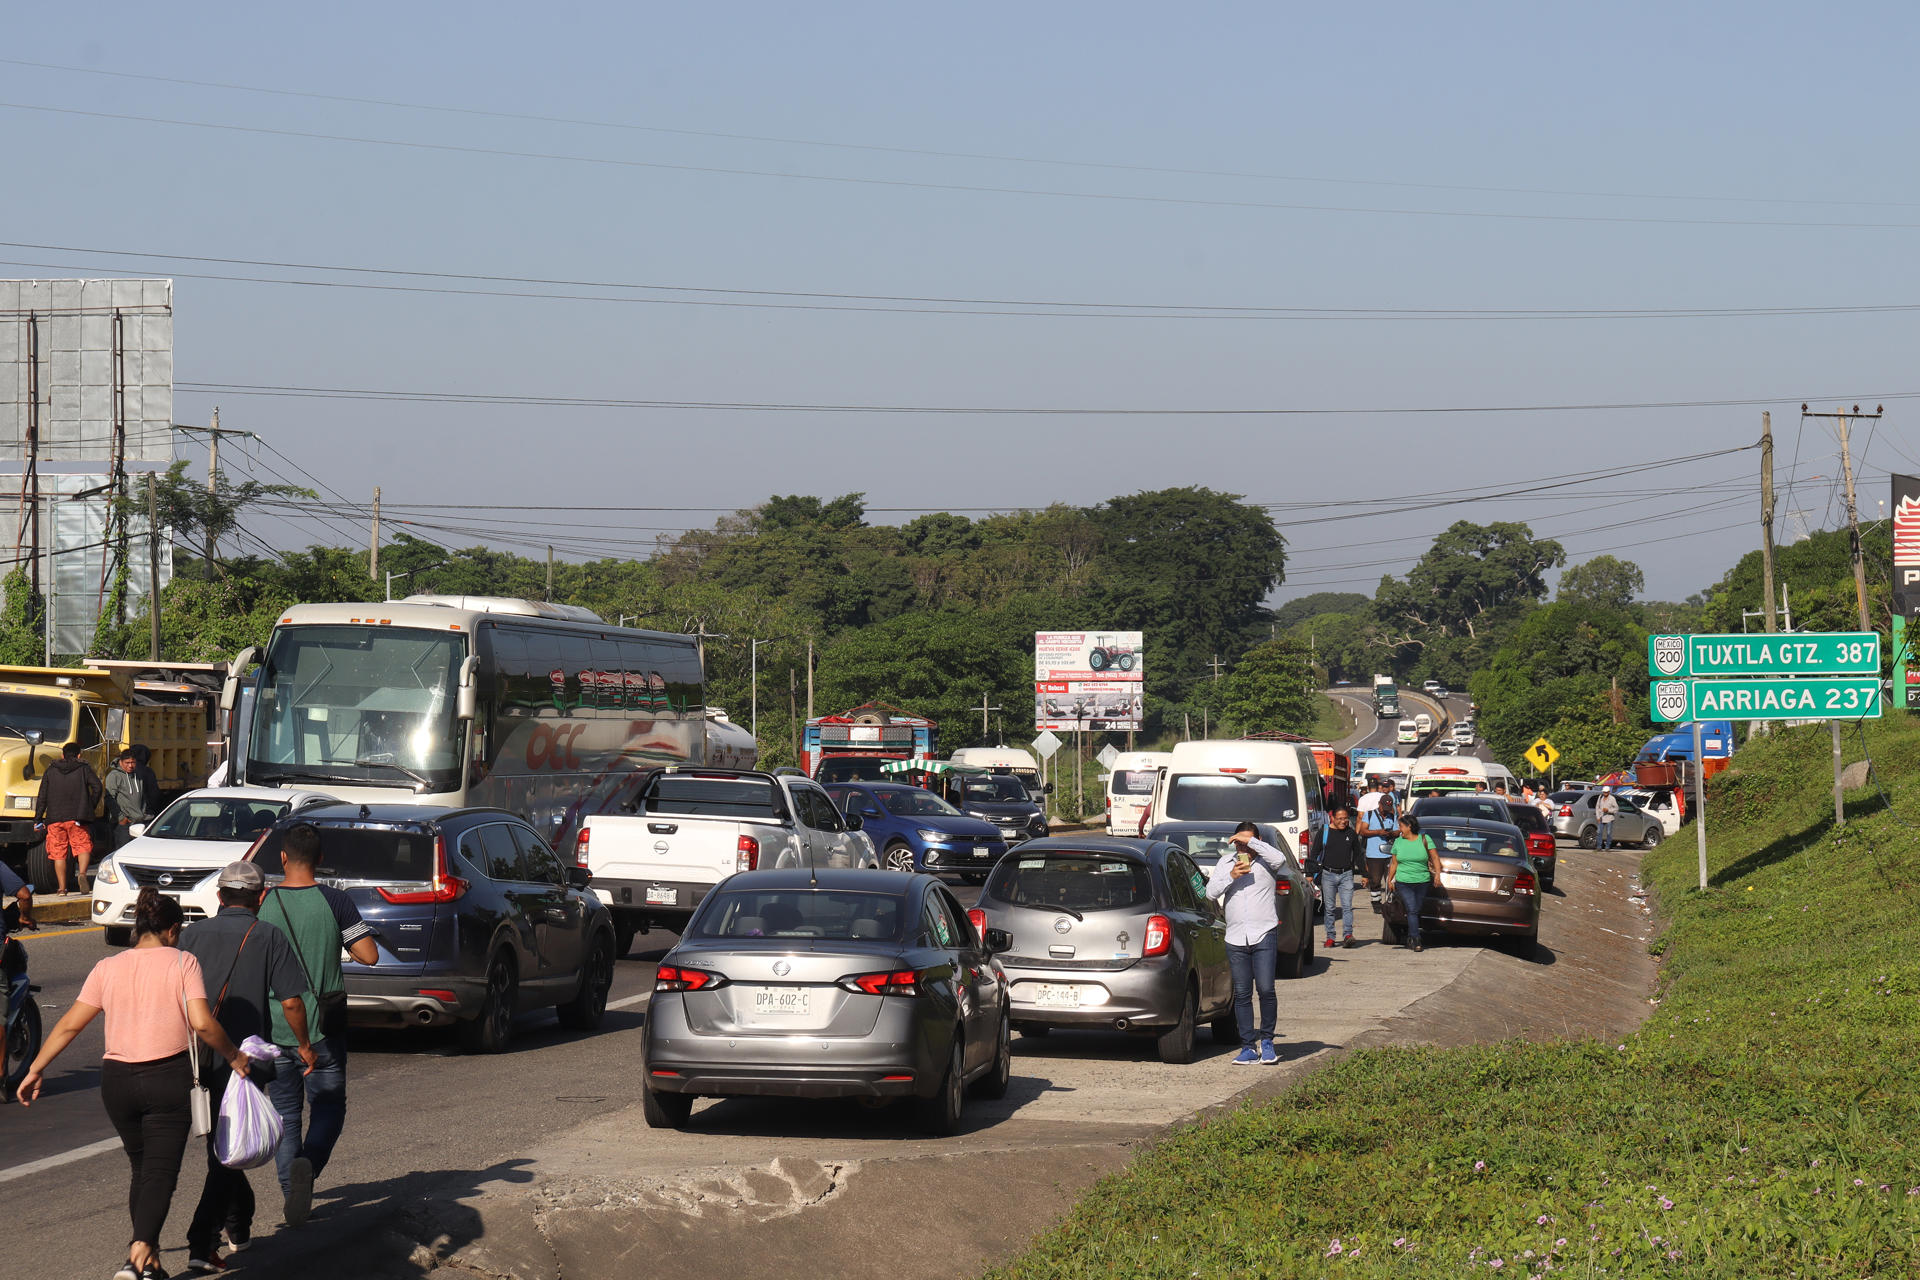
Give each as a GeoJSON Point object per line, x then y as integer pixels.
{"type": "Point", "coordinates": [998, 941]}
{"type": "Point", "coordinates": [136, 830]}
{"type": "Point", "coordinates": [579, 877]}
{"type": "Point", "coordinates": [1048, 789]}
{"type": "Point", "coordinates": [855, 822]}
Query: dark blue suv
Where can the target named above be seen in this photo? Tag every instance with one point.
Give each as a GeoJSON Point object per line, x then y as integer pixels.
{"type": "Point", "coordinates": [477, 918]}
{"type": "Point", "coordinates": [915, 830]}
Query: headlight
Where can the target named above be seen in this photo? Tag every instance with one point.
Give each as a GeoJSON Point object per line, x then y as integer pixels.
{"type": "Point", "coordinates": [933, 837]}
{"type": "Point", "coordinates": [19, 801]}
{"type": "Point", "coordinates": [107, 872]}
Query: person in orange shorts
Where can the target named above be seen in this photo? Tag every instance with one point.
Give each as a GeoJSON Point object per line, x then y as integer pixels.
{"type": "Point", "coordinates": [69, 795]}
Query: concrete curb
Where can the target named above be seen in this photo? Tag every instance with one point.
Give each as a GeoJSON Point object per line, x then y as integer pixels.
{"type": "Point", "coordinates": [68, 908]}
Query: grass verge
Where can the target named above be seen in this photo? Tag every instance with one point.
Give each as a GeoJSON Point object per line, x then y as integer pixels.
{"type": "Point", "coordinates": [1760, 1123]}
{"type": "Point", "coordinates": [1330, 723]}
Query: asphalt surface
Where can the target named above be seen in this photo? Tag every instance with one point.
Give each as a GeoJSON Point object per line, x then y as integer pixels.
{"type": "Point", "coordinates": [1370, 731]}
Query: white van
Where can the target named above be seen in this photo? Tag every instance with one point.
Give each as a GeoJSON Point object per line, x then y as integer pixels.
{"type": "Point", "coordinates": [1130, 789]}
{"type": "Point", "coordinates": [1002, 760]}
{"type": "Point", "coordinates": [1423, 722]}
{"type": "Point", "coordinates": [1221, 780]}
{"type": "Point", "coordinates": [1409, 732]}
{"type": "Point", "coordinates": [1439, 774]}
{"type": "Point", "coordinates": [1498, 774]}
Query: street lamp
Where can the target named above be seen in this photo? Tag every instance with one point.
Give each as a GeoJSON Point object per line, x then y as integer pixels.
{"type": "Point", "coordinates": [391, 577]}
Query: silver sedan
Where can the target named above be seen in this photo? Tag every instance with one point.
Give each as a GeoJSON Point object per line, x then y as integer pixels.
{"type": "Point", "coordinates": [829, 984]}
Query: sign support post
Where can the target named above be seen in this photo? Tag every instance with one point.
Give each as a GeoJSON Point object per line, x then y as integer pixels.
{"type": "Point", "coordinates": [1839, 796]}
{"type": "Point", "coordinates": [1700, 802]}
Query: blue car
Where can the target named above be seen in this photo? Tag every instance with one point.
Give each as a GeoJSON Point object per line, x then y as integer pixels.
{"type": "Point", "coordinates": [915, 830]}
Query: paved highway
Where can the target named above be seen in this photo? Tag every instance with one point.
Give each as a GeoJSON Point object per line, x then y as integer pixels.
{"type": "Point", "coordinates": [1374, 732]}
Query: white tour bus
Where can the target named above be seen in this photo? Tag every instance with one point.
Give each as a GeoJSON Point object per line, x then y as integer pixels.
{"type": "Point", "coordinates": [1130, 789]}
{"type": "Point", "coordinates": [1002, 760]}
{"type": "Point", "coordinates": [542, 710]}
{"type": "Point", "coordinates": [1409, 732]}
{"type": "Point", "coordinates": [1223, 780]}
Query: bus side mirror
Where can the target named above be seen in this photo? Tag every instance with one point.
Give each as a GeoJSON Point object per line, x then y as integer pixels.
{"type": "Point", "coordinates": [467, 702]}
{"type": "Point", "coordinates": [230, 687]}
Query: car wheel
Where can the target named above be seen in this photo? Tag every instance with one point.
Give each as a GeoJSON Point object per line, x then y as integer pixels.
{"type": "Point", "coordinates": [1589, 837]}
{"type": "Point", "coordinates": [1226, 1027]}
{"type": "Point", "coordinates": [994, 1083]}
{"type": "Point", "coordinates": [493, 1028]}
{"type": "Point", "coordinates": [119, 937]}
{"type": "Point", "coordinates": [23, 1046]}
{"type": "Point", "coordinates": [40, 873]}
{"type": "Point", "coordinates": [623, 935]}
{"type": "Point", "coordinates": [666, 1110]}
{"type": "Point", "coordinates": [1175, 1044]}
{"type": "Point", "coordinates": [1653, 838]}
{"type": "Point", "coordinates": [899, 857]}
{"type": "Point", "coordinates": [940, 1114]}
{"type": "Point", "coordinates": [589, 1005]}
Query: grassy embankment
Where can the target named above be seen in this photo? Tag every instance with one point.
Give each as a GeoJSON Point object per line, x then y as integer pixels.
{"type": "Point", "coordinates": [1762, 1122]}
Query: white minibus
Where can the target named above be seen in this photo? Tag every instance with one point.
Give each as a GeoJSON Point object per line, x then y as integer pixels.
{"type": "Point", "coordinates": [1409, 732]}
{"type": "Point", "coordinates": [1130, 789]}
{"type": "Point", "coordinates": [1272, 783]}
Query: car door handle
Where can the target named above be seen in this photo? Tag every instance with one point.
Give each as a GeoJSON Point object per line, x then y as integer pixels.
{"type": "Point", "coordinates": [556, 915]}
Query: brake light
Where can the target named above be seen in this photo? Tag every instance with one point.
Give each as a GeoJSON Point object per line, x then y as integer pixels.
{"type": "Point", "coordinates": [674, 978]}
{"type": "Point", "coordinates": [1566, 811]}
{"type": "Point", "coordinates": [1525, 883]}
{"type": "Point", "coordinates": [580, 849]}
{"type": "Point", "coordinates": [898, 982]}
{"type": "Point", "coordinates": [978, 919]}
{"type": "Point", "coordinates": [444, 887]}
{"type": "Point", "coordinates": [746, 855]}
{"type": "Point", "coordinates": [1159, 939]}
{"type": "Point", "coordinates": [1239, 770]}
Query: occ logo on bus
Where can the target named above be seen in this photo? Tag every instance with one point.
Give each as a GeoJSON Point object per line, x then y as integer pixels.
{"type": "Point", "coordinates": [552, 748]}
{"type": "Point", "coordinates": [1669, 654]}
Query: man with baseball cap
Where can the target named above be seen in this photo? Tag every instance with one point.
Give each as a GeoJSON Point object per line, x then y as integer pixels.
{"type": "Point", "coordinates": [246, 963]}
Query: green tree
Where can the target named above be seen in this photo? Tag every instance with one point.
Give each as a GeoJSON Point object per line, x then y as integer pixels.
{"type": "Point", "coordinates": [196, 513]}
{"type": "Point", "coordinates": [23, 622]}
{"type": "Point", "coordinates": [1272, 687]}
{"type": "Point", "coordinates": [1816, 576]}
{"type": "Point", "coordinates": [936, 665]}
{"type": "Point", "coordinates": [1564, 655]}
{"type": "Point", "coordinates": [1300, 608]}
{"type": "Point", "coordinates": [1605, 581]}
{"type": "Point", "coordinates": [1473, 579]}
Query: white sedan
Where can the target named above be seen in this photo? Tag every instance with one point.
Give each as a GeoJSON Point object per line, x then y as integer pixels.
{"type": "Point", "coordinates": [181, 851]}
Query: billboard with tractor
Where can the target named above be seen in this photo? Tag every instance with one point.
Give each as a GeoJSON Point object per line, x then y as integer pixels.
{"type": "Point", "coordinates": [1088, 680]}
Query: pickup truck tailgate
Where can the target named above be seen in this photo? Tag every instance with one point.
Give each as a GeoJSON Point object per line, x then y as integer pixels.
{"type": "Point", "coordinates": [663, 861]}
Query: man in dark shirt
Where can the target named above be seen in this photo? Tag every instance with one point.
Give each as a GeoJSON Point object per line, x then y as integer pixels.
{"type": "Point", "coordinates": [1338, 854]}
{"type": "Point", "coordinates": [246, 963]}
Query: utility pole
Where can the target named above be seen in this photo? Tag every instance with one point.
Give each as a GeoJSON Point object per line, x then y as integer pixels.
{"type": "Point", "coordinates": [373, 539]}
{"type": "Point", "coordinates": [153, 567]}
{"type": "Point", "coordinates": [1766, 522]}
{"type": "Point", "coordinates": [1853, 514]}
{"type": "Point", "coordinates": [213, 478]}
{"type": "Point", "coordinates": [809, 677]}
{"type": "Point", "coordinates": [550, 575]}
{"type": "Point", "coordinates": [984, 709]}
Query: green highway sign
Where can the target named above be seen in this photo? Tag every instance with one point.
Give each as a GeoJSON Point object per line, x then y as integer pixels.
{"type": "Point", "coordinates": [1821, 653]}
{"type": "Point", "coordinates": [1826, 699]}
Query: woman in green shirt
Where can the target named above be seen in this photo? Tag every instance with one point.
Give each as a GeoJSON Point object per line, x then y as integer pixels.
{"type": "Point", "coordinates": [1415, 863]}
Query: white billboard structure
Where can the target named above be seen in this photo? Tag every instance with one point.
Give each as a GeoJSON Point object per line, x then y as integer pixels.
{"type": "Point", "coordinates": [1093, 680]}
{"type": "Point", "coordinates": [86, 403]}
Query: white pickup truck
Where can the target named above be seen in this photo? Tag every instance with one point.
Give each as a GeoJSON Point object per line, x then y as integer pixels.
{"type": "Point", "coordinates": [690, 828]}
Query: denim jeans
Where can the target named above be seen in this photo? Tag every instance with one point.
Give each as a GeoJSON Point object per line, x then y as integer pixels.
{"type": "Point", "coordinates": [1413, 897]}
{"type": "Point", "coordinates": [1252, 966]}
{"type": "Point", "coordinates": [324, 1090]}
{"type": "Point", "coordinates": [1605, 840]}
{"type": "Point", "coordinates": [1336, 887]}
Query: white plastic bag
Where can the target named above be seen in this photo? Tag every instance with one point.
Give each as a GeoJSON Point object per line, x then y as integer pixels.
{"type": "Point", "coordinates": [248, 1128]}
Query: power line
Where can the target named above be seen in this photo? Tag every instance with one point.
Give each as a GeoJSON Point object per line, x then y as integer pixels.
{"type": "Point", "coordinates": [922, 304]}
{"type": "Point", "coordinates": [979, 189]}
{"type": "Point", "coordinates": [1122, 167]}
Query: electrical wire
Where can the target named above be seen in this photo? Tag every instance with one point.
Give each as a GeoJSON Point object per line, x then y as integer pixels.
{"type": "Point", "coordinates": [970, 188]}
{"type": "Point", "coordinates": [948, 155]}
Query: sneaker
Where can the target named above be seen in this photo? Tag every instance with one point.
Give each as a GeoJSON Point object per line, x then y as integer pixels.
{"type": "Point", "coordinates": [211, 1265]}
{"type": "Point", "coordinates": [127, 1271]}
{"type": "Point", "coordinates": [1246, 1058]}
{"type": "Point", "coordinates": [1267, 1055]}
{"type": "Point", "coordinates": [299, 1200]}
{"type": "Point", "coordinates": [238, 1238]}
{"type": "Point", "coordinates": [1349, 942]}
{"type": "Point", "coordinates": [1328, 945]}
{"type": "Point", "coordinates": [153, 1271]}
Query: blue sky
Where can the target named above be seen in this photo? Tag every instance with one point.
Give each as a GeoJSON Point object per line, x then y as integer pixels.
{"type": "Point", "coordinates": [1696, 119]}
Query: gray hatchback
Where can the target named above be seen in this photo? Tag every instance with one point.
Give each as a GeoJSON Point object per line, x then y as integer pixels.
{"type": "Point", "coordinates": [829, 984]}
{"type": "Point", "coordinates": [1107, 932]}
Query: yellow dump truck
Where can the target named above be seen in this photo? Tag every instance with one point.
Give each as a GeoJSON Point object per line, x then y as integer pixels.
{"type": "Point", "coordinates": [105, 707]}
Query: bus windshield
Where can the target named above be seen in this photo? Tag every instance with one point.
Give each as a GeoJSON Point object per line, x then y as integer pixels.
{"type": "Point", "coordinates": [358, 704]}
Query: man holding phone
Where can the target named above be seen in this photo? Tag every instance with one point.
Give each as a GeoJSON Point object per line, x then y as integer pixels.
{"type": "Point", "coordinates": [1245, 882]}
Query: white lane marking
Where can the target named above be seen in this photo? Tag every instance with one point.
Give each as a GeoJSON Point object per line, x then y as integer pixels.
{"type": "Point", "coordinates": [630, 1000]}
{"type": "Point", "coordinates": [92, 1149]}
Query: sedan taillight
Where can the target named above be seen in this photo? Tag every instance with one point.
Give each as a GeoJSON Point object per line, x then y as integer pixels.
{"type": "Point", "coordinates": [671, 977]}
{"type": "Point", "coordinates": [1159, 939]}
{"type": "Point", "coordinates": [898, 982]}
{"type": "Point", "coordinates": [1524, 883]}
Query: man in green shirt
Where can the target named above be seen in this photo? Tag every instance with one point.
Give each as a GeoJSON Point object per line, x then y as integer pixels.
{"type": "Point", "coordinates": [320, 920]}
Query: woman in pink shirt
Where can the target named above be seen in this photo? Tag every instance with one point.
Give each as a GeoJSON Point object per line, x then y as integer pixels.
{"type": "Point", "coordinates": [151, 994]}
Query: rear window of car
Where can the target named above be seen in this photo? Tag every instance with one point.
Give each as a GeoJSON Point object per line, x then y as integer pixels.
{"type": "Point", "coordinates": [800, 913]}
{"type": "Point", "coordinates": [1462, 807]}
{"type": "Point", "coordinates": [1527, 818]}
{"type": "Point", "coordinates": [1082, 881]}
{"type": "Point", "coordinates": [712, 797]}
{"type": "Point", "coordinates": [384, 855]}
{"type": "Point", "coordinates": [1468, 842]}
{"type": "Point", "coordinates": [1133, 782]}
{"type": "Point", "coordinates": [1231, 797]}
